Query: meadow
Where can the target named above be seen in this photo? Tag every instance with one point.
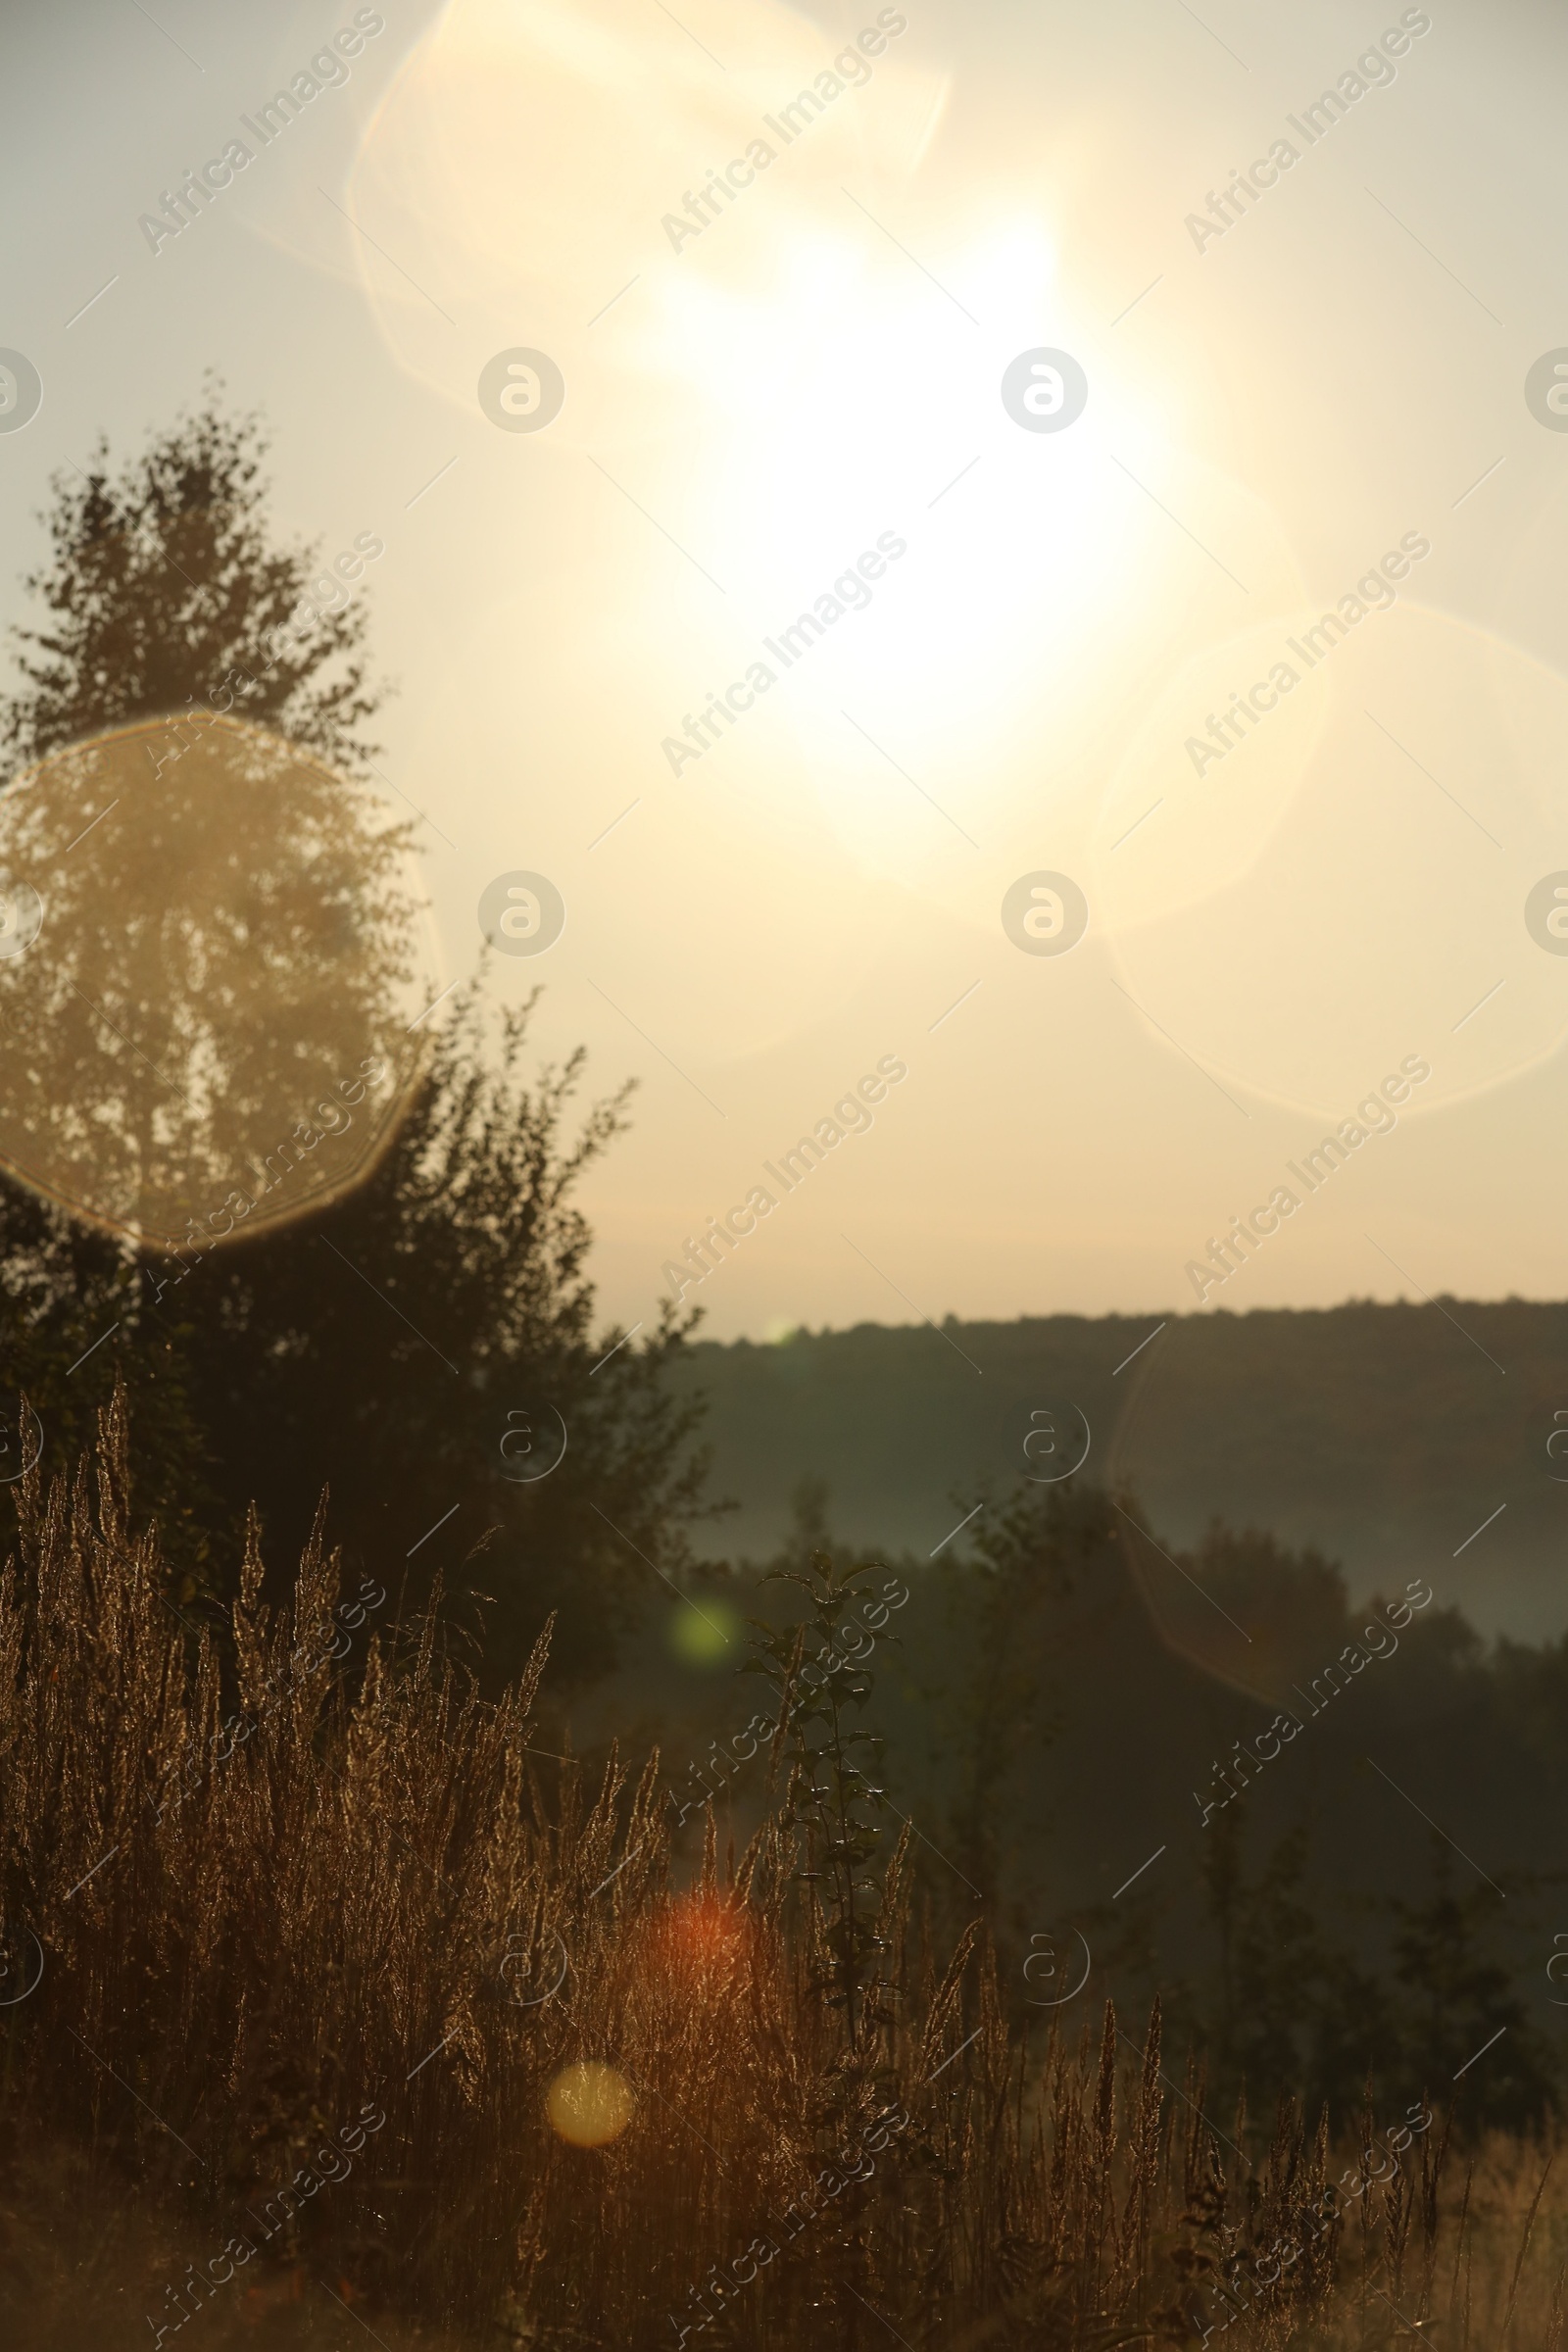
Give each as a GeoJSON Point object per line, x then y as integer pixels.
{"type": "Point", "coordinates": [335, 2007]}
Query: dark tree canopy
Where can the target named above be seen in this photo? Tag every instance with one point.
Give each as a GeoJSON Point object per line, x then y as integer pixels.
{"type": "Point", "coordinates": [404, 1347]}
{"type": "Point", "coordinates": [165, 595]}
{"type": "Point", "coordinates": [406, 1344]}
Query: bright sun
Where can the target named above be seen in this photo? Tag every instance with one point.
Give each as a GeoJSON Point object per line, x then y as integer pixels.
{"type": "Point", "coordinates": [815, 372]}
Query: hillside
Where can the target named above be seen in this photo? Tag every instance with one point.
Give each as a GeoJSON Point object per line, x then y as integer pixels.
{"type": "Point", "coordinates": [1382, 1435]}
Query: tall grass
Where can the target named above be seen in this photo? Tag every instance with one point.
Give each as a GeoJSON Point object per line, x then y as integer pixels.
{"type": "Point", "coordinates": [276, 1896]}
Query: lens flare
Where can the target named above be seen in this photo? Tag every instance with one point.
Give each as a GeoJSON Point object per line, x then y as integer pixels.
{"type": "Point", "coordinates": [698, 1934]}
{"type": "Point", "coordinates": [589, 2106]}
{"type": "Point", "coordinates": [699, 1636]}
{"type": "Point", "coordinates": [217, 964]}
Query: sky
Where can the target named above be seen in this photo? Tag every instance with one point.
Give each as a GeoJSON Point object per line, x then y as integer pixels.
{"type": "Point", "coordinates": [1063, 438]}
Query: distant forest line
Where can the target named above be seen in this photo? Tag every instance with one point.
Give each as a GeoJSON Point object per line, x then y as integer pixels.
{"type": "Point", "coordinates": [1383, 1437]}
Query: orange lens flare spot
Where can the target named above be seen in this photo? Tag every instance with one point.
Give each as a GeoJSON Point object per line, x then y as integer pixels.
{"type": "Point", "coordinates": [698, 1932]}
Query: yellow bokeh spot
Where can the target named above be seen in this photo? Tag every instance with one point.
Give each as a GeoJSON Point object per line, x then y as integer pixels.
{"type": "Point", "coordinates": [589, 2105]}
{"type": "Point", "coordinates": [703, 1632]}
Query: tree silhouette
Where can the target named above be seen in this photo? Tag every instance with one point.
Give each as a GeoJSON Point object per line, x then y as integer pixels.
{"type": "Point", "coordinates": [227, 939]}
{"type": "Point", "coordinates": [227, 926]}
{"type": "Point", "coordinates": [1463, 2010]}
{"type": "Point", "coordinates": [167, 595]}
{"type": "Point", "coordinates": [400, 1347]}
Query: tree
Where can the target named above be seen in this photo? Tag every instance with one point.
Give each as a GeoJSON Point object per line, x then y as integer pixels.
{"type": "Point", "coordinates": [217, 1011]}
{"type": "Point", "coordinates": [1028, 1557]}
{"type": "Point", "coordinates": [1462, 2009]}
{"type": "Point", "coordinates": [410, 1347]}
{"type": "Point", "coordinates": [229, 923]}
{"type": "Point", "coordinates": [1296, 2015]}
{"type": "Point", "coordinates": [165, 588]}
{"type": "Point", "coordinates": [410, 1338]}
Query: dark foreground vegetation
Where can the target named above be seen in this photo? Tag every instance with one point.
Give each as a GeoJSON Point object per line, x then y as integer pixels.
{"type": "Point", "coordinates": [302, 1931]}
